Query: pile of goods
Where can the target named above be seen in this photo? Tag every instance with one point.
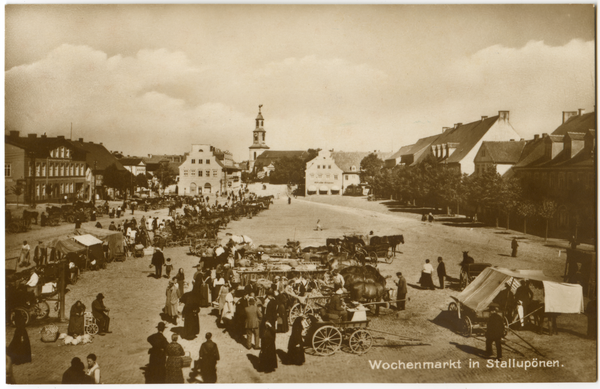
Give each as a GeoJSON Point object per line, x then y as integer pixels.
{"type": "Point", "coordinates": [81, 339]}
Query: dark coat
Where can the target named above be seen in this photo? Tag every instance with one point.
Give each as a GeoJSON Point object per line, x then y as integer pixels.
{"type": "Point", "coordinates": [495, 327]}
{"type": "Point", "coordinates": [271, 312]}
{"type": "Point", "coordinates": [441, 269]}
{"type": "Point", "coordinates": [268, 352]}
{"type": "Point", "coordinates": [158, 259]}
{"type": "Point", "coordinates": [155, 373]}
{"type": "Point", "coordinates": [209, 355]}
{"type": "Point", "coordinates": [402, 290]}
{"type": "Point", "coordinates": [252, 317]}
{"type": "Point", "coordinates": [98, 309]}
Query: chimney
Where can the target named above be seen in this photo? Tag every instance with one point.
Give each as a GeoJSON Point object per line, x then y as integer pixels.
{"type": "Point", "coordinates": [536, 137]}
{"type": "Point", "coordinates": [32, 136]}
{"type": "Point", "coordinates": [581, 111]}
{"type": "Point", "coordinates": [567, 115]}
{"type": "Point", "coordinates": [100, 143]}
{"type": "Point", "coordinates": [444, 129]}
{"type": "Point", "coordinates": [522, 139]}
{"type": "Point", "coordinates": [574, 143]}
{"type": "Point", "coordinates": [456, 125]}
{"type": "Point", "coordinates": [91, 142]}
{"type": "Point", "coordinates": [43, 136]}
{"type": "Point", "coordinates": [512, 140]}
{"type": "Point", "coordinates": [14, 134]}
{"type": "Point", "coordinates": [483, 118]}
{"type": "Point", "coordinates": [503, 115]}
{"type": "Point", "coordinates": [60, 137]}
{"type": "Point", "coordinates": [81, 140]}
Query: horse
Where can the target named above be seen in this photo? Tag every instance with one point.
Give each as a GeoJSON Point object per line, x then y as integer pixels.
{"type": "Point", "coordinates": [369, 292]}
{"type": "Point", "coordinates": [539, 314]}
{"type": "Point", "coordinates": [31, 215]}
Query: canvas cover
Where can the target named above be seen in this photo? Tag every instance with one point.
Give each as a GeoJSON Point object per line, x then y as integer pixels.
{"type": "Point", "coordinates": [87, 240]}
{"type": "Point", "coordinates": [67, 245]}
{"type": "Point", "coordinates": [559, 297]}
{"type": "Point", "coordinates": [114, 239]}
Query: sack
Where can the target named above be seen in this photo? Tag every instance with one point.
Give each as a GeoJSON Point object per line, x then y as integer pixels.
{"type": "Point", "coordinates": [187, 360]}
{"type": "Point", "coordinates": [49, 333]}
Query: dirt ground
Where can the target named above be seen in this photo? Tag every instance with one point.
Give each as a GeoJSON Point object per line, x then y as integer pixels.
{"type": "Point", "coordinates": [136, 301]}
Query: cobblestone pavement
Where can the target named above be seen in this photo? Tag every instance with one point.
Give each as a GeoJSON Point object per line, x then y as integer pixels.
{"type": "Point", "coordinates": [136, 301]}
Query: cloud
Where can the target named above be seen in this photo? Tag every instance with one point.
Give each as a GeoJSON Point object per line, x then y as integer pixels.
{"type": "Point", "coordinates": [161, 101]}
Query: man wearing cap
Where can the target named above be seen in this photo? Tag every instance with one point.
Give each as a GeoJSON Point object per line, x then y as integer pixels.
{"type": "Point", "coordinates": [495, 332]}
{"type": "Point", "coordinates": [155, 372]}
{"type": "Point", "coordinates": [336, 306]}
{"type": "Point", "coordinates": [401, 294]}
{"type": "Point", "coordinates": [99, 311]}
{"type": "Point", "coordinates": [158, 260]}
{"type": "Point", "coordinates": [40, 254]}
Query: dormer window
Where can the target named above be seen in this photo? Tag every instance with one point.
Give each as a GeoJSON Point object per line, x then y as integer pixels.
{"type": "Point", "coordinates": [353, 168]}
{"type": "Point", "coordinates": [200, 151]}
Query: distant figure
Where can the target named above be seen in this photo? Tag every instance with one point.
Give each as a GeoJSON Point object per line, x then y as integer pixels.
{"type": "Point", "coordinates": [573, 242]}
{"type": "Point", "coordinates": [430, 217]}
{"type": "Point", "coordinates": [319, 225]}
{"type": "Point", "coordinates": [515, 246]}
{"type": "Point", "coordinates": [268, 352]}
{"type": "Point", "coordinates": [76, 320]}
{"type": "Point", "coordinates": [426, 279]}
{"type": "Point", "coordinates": [168, 268]}
{"type": "Point", "coordinates": [100, 311]}
{"type": "Point", "coordinates": [25, 254]}
{"type": "Point", "coordinates": [424, 217]}
{"type": "Point", "coordinates": [158, 259]}
{"type": "Point", "coordinates": [155, 373]}
{"type": "Point", "coordinates": [174, 366]}
{"type": "Point", "coordinates": [209, 356]}
{"type": "Point", "coordinates": [289, 200]}
{"type": "Point", "coordinates": [401, 294]}
{"type": "Point", "coordinates": [441, 271]}
{"type": "Point", "coordinates": [295, 351]}
{"type": "Point", "coordinates": [19, 348]}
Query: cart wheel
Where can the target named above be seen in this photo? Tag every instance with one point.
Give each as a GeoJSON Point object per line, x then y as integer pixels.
{"type": "Point", "coordinates": [464, 281]}
{"type": "Point", "coordinates": [506, 324]}
{"type": "Point", "coordinates": [465, 327]}
{"type": "Point", "coordinates": [42, 309]}
{"type": "Point", "coordinates": [71, 219]}
{"type": "Point", "coordinates": [453, 307]}
{"type": "Point", "coordinates": [373, 256]}
{"type": "Point", "coordinates": [91, 329]}
{"type": "Point", "coordinates": [389, 256]}
{"type": "Point", "coordinates": [326, 340]}
{"type": "Point", "coordinates": [360, 341]}
{"type": "Point", "coordinates": [13, 228]}
{"type": "Point", "coordinates": [19, 311]}
{"type": "Point", "coordinates": [295, 312]}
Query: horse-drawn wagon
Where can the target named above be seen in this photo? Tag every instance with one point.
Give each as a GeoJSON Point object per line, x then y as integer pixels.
{"type": "Point", "coordinates": [326, 337]}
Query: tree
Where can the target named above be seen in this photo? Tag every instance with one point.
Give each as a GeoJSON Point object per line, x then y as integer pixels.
{"type": "Point", "coordinates": [117, 179]}
{"type": "Point", "coordinates": [369, 167]}
{"type": "Point", "coordinates": [17, 190]}
{"type": "Point", "coordinates": [165, 174]}
{"type": "Point", "coordinates": [547, 210]}
{"type": "Point", "coordinates": [288, 171]}
{"type": "Point", "coordinates": [526, 209]}
{"type": "Point", "coordinates": [141, 181]}
{"type": "Point", "coordinates": [485, 190]}
{"type": "Point", "coordinates": [510, 195]}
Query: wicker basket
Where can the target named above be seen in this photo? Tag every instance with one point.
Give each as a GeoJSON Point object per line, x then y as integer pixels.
{"type": "Point", "coordinates": [49, 334]}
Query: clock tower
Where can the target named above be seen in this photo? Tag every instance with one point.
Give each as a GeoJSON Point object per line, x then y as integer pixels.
{"type": "Point", "coordinates": [258, 140]}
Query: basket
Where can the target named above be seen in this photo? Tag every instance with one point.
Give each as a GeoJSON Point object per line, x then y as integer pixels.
{"type": "Point", "coordinates": [187, 360]}
{"type": "Point", "coordinates": [49, 334]}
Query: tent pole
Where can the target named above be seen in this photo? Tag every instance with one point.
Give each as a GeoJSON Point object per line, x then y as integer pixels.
{"type": "Point", "coordinates": [529, 344]}
{"type": "Point", "coordinates": [62, 290]}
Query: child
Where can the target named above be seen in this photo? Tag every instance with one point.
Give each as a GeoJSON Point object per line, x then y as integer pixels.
{"type": "Point", "coordinates": [168, 267]}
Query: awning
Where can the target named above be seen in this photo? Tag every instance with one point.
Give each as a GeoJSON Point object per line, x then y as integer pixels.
{"type": "Point", "coordinates": [335, 188]}
{"type": "Point", "coordinates": [324, 188]}
{"type": "Point", "coordinates": [69, 246]}
{"type": "Point", "coordinates": [87, 240]}
{"type": "Point", "coordinates": [312, 188]}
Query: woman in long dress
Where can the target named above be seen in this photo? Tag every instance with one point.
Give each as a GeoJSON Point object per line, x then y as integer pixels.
{"type": "Point", "coordinates": [222, 295]}
{"type": "Point", "coordinates": [228, 308]}
{"type": "Point", "coordinates": [191, 309]}
{"type": "Point", "coordinates": [204, 293]}
{"type": "Point", "coordinates": [76, 320]}
{"type": "Point", "coordinates": [268, 352]}
{"type": "Point", "coordinates": [172, 303]}
{"type": "Point", "coordinates": [174, 366]}
{"type": "Point", "coordinates": [19, 350]}
{"type": "Point", "coordinates": [282, 314]}
{"type": "Point", "coordinates": [180, 281]}
{"type": "Point", "coordinates": [295, 351]}
{"type": "Point", "coordinates": [218, 283]}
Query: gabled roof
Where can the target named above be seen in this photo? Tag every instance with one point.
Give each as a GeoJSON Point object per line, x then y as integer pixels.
{"type": "Point", "coordinates": [504, 152]}
{"type": "Point", "coordinates": [533, 153]}
{"type": "Point", "coordinates": [466, 135]}
{"type": "Point", "coordinates": [345, 160]}
{"type": "Point", "coordinates": [41, 146]}
{"type": "Point", "coordinates": [403, 151]}
{"type": "Point", "coordinates": [98, 154]}
{"type": "Point", "coordinates": [270, 156]}
{"type": "Point", "coordinates": [131, 161]}
{"type": "Point", "coordinates": [579, 123]}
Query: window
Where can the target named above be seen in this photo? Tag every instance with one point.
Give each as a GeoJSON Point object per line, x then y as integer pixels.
{"type": "Point", "coordinates": [208, 161]}
{"type": "Point", "coordinates": [193, 172]}
{"type": "Point", "coordinates": [353, 168]}
{"type": "Point", "coordinates": [483, 152]}
{"type": "Point", "coordinates": [81, 170]}
{"type": "Point", "coordinates": [318, 166]}
{"type": "Point", "coordinates": [185, 173]}
{"type": "Point", "coordinates": [335, 176]}
{"type": "Point", "coordinates": [7, 170]}
{"type": "Point", "coordinates": [199, 173]}
{"type": "Point", "coordinates": [199, 161]}
{"type": "Point", "coordinates": [346, 177]}
{"type": "Point", "coordinates": [328, 176]}
{"type": "Point", "coordinates": [50, 170]}
{"type": "Point", "coordinates": [62, 169]}
{"type": "Point", "coordinates": [62, 188]}
{"type": "Point", "coordinates": [30, 169]}
{"type": "Point", "coordinates": [37, 190]}
{"type": "Point", "coordinates": [71, 169]}
{"type": "Point", "coordinates": [214, 172]}
{"type": "Point", "coordinates": [329, 167]}
{"type": "Point", "coordinates": [208, 173]}
{"type": "Point", "coordinates": [56, 170]}
{"type": "Point", "coordinates": [43, 170]}
{"type": "Point", "coordinates": [320, 175]}
{"type": "Point", "coordinates": [44, 190]}
{"type": "Point", "coordinates": [68, 153]}
{"type": "Point", "coordinates": [193, 161]}
{"type": "Point", "coordinates": [62, 152]}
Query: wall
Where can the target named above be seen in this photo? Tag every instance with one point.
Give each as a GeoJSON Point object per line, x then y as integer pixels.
{"type": "Point", "coordinates": [314, 168]}
{"type": "Point", "coordinates": [14, 156]}
{"type": "Point", "coordinates": [500, 131]}
{"type": "Point", "coordinates": [216, 181]}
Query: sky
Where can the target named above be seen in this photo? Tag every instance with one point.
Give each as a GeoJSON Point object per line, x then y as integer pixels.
{"type": "Point", "coordinates": [155, 79]}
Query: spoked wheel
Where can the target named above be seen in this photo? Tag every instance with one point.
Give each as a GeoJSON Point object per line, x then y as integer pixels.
{"type": "Point", "coordinates": [373, 257]}
{"type": "Point", "coordinates": [453, 307]}
{"type": "Point", "coordinates": [71, 219]}
{"type": "Point", "coordinates": [42, 310]}
{"type": "Point", "coordinates": [91, 328]}
{"type": "Point", "coordinates": [327, 340]}
{"type": "Point", "coordinates": [23, 313]}
{"type": "Point", "coordinates": [506, 324]}
{"type": "Point", "coordinates": [465, 327]}
{"type": "Point", "coordinates": [295, 312]}
{"type": "Point", "coordinates": [360, 341]}
{"type": "Point", "coordinates": [389, 256]}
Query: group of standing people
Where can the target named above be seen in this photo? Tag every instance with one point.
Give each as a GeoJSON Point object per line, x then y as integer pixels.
{"type": "Point", "coordinates": [426, 279]}
{"type": "Point", "coordinates": [77, 374]}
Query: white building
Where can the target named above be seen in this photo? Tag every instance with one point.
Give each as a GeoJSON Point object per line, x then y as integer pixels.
{"type": "Point", "coordinates": [134, 165]}
{"type": "Point", "coordinates": [208, 170]}
{"type": "Point", "coordinates": [258, 140]}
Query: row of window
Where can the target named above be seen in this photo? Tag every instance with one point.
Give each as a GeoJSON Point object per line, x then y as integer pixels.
{"type": "Point", "coordinates": [200, 161]}
{"type": "Point", "coordinates": [193, 173]}
{"type": "Point", "coordinates": [40, 189]}
{"type": "Point", "coordinates": [560, 179]}
{"type": "Point", "coordinates": [61, 152]}
{"type": "Point", "coordinates": [320, 175]}
{"type": "Point", "coordinates": [324, 167]}
{"type": "Point", "coordinates": [57, 169]}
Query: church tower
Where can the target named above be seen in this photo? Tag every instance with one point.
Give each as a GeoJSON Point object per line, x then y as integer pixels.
{"type": "Point", "coordinates": [258, 140]}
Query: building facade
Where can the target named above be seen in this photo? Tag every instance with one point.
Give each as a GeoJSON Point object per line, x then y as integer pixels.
{"type": "Point", "coordinates": [258, 140]}
{"type": "Point", "coordinates": [44, 169]}
{"type": "Point", "coordinates": [208, 170]}
{"type": "Point", "coordinates": [134, 165]}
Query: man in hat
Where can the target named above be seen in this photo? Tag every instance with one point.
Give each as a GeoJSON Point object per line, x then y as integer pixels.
{"type": "Point", "coordinates": [99, 311]}
{"type": "Point", "coordinates": [209, 356]}
{"type": "Point", "coordinates": [336, 308]}
{"type": "Point", "coordinates": [495, 332]}
{"type": "Point", "coordinates": [158, 260]}
{"type": "Point", "coordinates": [40, 254]}
{"type": "Point", "coordinates": [338, 280]}
{"type": "Point", "coordinates": [112, 226]}
{"type": "Point", "coordinates": [155, 372]}
{"type": "Point", "coordinates": [514, 245]}
{"type": "Point", "coordinates": [401, 294]}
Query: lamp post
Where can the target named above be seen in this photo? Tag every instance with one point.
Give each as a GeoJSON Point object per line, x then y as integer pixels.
{"type": "Point", "coordinates": [94, 189]}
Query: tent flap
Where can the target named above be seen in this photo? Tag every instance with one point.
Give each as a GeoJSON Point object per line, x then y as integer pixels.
{"type": "Point", "coordinates": [563, 298]}
{"type": "Point", "coordinates": [87, 240]}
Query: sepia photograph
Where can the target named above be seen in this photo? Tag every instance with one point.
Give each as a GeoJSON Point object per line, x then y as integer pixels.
{"type": "Point", "coordinates": [238, 194]}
